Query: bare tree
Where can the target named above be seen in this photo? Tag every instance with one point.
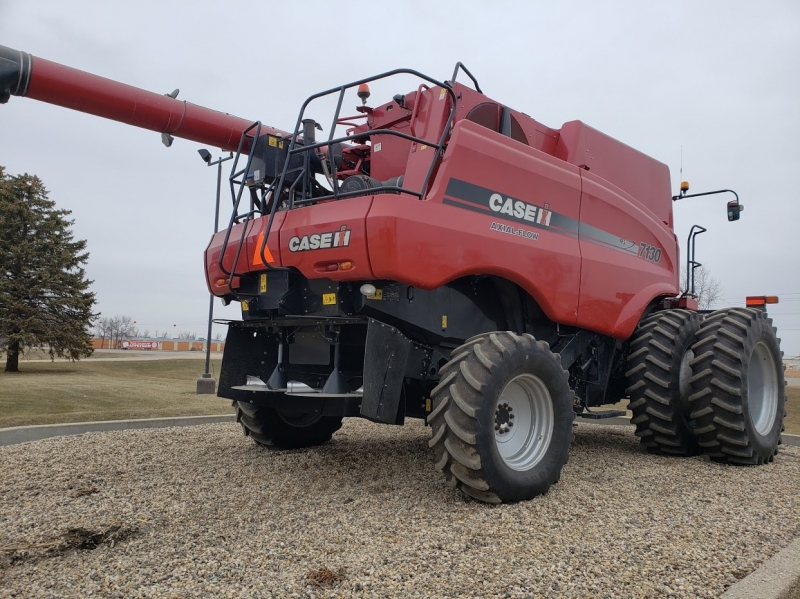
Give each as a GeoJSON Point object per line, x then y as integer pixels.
{"type": "Point", "coordinates": [125, 328]}
{"type": "Point", "coordinates": [119, 328]}
{"type": "Point", "coordinates": [187, 336]}
{"type": "Point", "coordinates": [146, 333]}
{"type": "Point", "coordinates": [707, 288]}
{"type": "Point", "coordinates": [218, 337]}
{"type": "Point", "coordinates": [103, 329]}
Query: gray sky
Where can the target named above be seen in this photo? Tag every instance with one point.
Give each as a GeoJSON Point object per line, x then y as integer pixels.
{"type": "Point", "coordinates": [721, 79]}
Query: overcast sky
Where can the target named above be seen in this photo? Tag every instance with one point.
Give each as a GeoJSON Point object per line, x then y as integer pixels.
{"type": "Point", "coordinates": [721, 79]}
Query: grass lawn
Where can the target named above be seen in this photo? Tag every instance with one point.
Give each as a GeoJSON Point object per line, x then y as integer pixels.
{"type": "Point", "coordinates": [37, 355]}
{"type": "Point", "coordinates": [47, 393]}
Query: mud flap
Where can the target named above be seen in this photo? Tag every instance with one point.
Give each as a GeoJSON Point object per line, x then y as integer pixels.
{"type": "Point", "coordinates": [385, 359]}
{"type": "Point", "coordinates": [250, 351]}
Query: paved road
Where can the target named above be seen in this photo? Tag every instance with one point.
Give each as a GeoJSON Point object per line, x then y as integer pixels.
{"type": "Point", "coordinates": [139, 356]}
{"type": "Point", "coordinates": [793, 382]}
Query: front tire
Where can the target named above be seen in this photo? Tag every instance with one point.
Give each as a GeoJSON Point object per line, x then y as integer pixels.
{"type": "Point", "coordinates": [276, 429]}
{"type": "Point", "coordinates": [502, 418]}
{"type": "Point", "coordinates": [738, 389]}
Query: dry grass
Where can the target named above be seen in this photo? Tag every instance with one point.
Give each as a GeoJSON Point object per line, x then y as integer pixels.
{"type": "Point", "coordinates": [46, 393]}
{"type": "Point", "coordinates": [37, 355]}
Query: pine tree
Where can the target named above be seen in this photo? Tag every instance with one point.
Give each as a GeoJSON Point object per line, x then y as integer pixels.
{"type": "Point", "coordinates": [45, 300]}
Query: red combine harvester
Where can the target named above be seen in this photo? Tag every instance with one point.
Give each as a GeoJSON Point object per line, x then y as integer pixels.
{"type": "Point", "coordinates": [449, 258]}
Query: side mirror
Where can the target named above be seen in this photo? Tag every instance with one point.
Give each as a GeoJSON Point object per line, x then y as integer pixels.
{"type": "Point", "coordinates": [734, 208]}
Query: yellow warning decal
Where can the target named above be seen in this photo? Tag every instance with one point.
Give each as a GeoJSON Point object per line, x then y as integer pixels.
{"type": "Point", "coordinates": [329, 299]}
{"type": "Point", "coordinates": [245, 306]}
{"type": "Point", "coordinates": [273, 141]}
{"type": "Point", "coordinates": [378, 295]}
{"type": "Point", "coordinates": [428, 404]}
{"type": "Point", "coordinates": [262, 284]}
{"type": "Point", "coordinates": [444, 322]}
{"type": "Point", "coordinates": [442, 93]}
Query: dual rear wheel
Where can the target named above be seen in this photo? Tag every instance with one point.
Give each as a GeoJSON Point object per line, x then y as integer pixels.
{"type": "Point", "coordinates": [738, 388]}
{"type": "Point", "coordinates": [714, 385]}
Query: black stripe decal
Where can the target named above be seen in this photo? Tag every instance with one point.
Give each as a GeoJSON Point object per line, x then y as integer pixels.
{"type": "Point", "coordinates": [475, 198]}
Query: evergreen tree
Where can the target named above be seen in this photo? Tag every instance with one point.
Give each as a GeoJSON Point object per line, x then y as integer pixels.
{"type": "Point", "coordinates": [44, 294]}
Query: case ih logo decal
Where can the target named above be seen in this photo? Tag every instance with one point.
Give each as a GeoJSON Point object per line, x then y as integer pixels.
{"type": "Point", "coordinates": [520, 210]}
{"type": "Point", "coordinates": [321, 241]}
{"type": "Point", "coordinates": [489, 202]}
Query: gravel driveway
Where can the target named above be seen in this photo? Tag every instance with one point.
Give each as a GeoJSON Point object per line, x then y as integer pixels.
{"type": "Point", "coordinates": [202, 511]}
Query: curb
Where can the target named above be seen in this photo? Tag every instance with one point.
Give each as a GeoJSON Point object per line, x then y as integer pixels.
{"type": "Point", "coordinates": [777, 578]}
{"type": "Point", "coordinates": [24, 434]}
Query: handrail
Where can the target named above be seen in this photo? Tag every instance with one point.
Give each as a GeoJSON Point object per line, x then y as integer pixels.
{"type": "Point", "coordinates": [293, 143]}
{"type": "Point", "coordinates": [691, 263]}
{"type": "Point", "coordinates": [460, 65]}
{"type": "Point", "coordinates": [237, 197]}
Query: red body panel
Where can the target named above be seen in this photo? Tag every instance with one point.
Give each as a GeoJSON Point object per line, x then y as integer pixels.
{"type": "Point", "coordinates": [328, 219]}
{"type": "Point", "coordinates": [428, 243]}
{"type": "Point", "coordinates": [642, 177]}
{"type": "Point", "coordinates": [249, 258]}
{"type": "Point", "coordinates": [583, 256]}
{"type": "Point", "coordinates": [617, 284]}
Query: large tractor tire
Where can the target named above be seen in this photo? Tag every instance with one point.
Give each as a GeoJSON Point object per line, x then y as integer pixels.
{"type": "Point", "coordinates": [502, 418]}
{"type": "Point", "coordinates": [278, 430]}
{"type": "Point", "coordinates": [658, 372]}
{"type": "Point", "coordinates": [738, 388]}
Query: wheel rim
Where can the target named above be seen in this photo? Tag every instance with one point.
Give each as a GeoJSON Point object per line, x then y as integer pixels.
{"type": "Point", "coordinates": [762, 389]}
{"type": "Point", "coordinates": [523, 422]}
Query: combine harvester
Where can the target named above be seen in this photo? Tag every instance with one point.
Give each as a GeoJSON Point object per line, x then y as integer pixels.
{"type": "Point", "coordinates": [449, 258]}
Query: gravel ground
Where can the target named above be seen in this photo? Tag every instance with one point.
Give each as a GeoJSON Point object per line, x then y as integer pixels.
{"type": "Point", "coordinates": [202, 511]}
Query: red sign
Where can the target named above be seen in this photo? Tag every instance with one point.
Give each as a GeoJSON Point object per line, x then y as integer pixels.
{"type": "Point", "coordinates": [140, 345]}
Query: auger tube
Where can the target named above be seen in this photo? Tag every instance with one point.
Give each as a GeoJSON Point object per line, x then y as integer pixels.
{"type": "Point", "coordinates": [22, 74]}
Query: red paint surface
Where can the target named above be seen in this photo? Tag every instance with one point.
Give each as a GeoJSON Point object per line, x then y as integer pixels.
{"type": "Point", "coordinates": [327, 218]}
{"type": "Point", "coordinates": [575, 279]}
